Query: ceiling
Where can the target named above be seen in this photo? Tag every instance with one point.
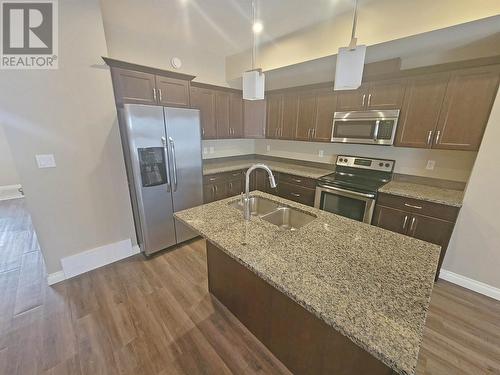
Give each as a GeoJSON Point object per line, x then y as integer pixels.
{"type": "Point", "coordinates": [227, 22]}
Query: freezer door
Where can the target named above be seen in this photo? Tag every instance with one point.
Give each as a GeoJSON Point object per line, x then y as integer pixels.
{"type": "Point", "coordinates": [184, 140]}
{"type": "Point", "coordinates": [145, 126]}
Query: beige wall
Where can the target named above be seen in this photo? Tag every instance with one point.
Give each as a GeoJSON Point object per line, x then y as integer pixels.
{"type": "Point", "coordinates": [8, 172]}
{"type": "Point", "coordinates": [379, 22]}
{"type": "Point", "coordinates": [223, 148]}
{"type": "Point", "coordinates": [474, 250]}
{"type": "Point", "coordinates": [83, 203]}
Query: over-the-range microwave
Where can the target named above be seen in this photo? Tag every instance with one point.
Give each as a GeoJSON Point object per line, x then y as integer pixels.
{"type": "Point", "coordinates": [367, 127]}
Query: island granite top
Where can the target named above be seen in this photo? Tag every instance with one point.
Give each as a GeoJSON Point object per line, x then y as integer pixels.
{"type": "Point", "coordinates": [371, 285]}
{"type": "Point", "coordinates": [428, 193]}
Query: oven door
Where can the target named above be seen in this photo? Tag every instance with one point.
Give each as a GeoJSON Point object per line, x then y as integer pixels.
{"type": "Point", "coordinates": [351, 204]}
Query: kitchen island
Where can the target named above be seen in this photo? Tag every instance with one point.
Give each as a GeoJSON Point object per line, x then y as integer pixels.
{"type": "Point", "coordinates": [334, 296]}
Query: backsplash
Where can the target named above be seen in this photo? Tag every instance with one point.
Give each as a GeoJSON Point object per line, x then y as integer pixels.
{"type": "Point", "coordinates": [449, 165]}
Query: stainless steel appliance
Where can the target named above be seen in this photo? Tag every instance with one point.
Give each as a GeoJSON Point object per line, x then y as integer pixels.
{"type": "Point", "coordinates": [351, 190]}
{"type": "Point", "coordinates": [162, 149]}
{"type": "Point", "coordinates": [368, 127]}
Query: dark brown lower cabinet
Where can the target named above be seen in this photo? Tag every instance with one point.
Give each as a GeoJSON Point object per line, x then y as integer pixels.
{"type": "Point", "coordinates": [304, 343]}
{"type": "Point", "coordinates": [426, 221]}
{"type": "Point", "coordinates": [223, 185]}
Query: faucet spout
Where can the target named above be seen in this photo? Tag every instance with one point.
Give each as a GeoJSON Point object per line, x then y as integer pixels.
{"type": "Point", "coordinates": [272, 182]}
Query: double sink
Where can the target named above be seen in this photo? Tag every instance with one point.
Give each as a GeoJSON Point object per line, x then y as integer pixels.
{"type": "Point", "coordinates": [285, 218]}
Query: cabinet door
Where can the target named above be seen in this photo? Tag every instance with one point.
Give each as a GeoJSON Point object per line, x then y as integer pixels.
{"type": "Point", "coordinates": [296, 193]}
{"type": "Point", "coordinates": [422, 104]}
{"type": "Point", "coordinates": [466, 108]}
{"type": "Point", "coordinates": [236, 115]}
{"type": "Point", "coordinates": [385, 94]}
{"type": "Point", "coordinates": [133, 87]}
{"type": "Point", "coordinates": [391, 219]}
{"type": "Point", "coordinates": [172, 92]}
{"type": "Point", "coordinates": [274, 115]}
{"type": "Point", "coordinates": [262, 182]}
{"type": "Point", "coordinates": [352, 100]}
{"type": "Point", "coordinates": [290, 115]}
{"type": "Point", "coordinates": [208, 193]}
{"type": "Point", "coordinates": [222, 114]}
{"type": "Point", "coordinates": [204, 100]}
{"type": "Point", "coordinates": [306, 116]}
{"type": "Point", "coordinates": [325, 108]}
{"type": "Point", "coordinates": [254, 118]}
{"type": "Point", "coordinates": [235, 187]}
{"type": "Point", "coordinates": [220, 190]}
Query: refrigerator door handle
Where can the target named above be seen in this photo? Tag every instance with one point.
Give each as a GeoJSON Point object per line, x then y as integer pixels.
{"type": "Point", "coordinates": [174, 161]}
{"type": "Point", "coordinates": [167, 170]}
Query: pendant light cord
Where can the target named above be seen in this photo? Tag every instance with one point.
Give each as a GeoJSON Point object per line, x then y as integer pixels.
{"type": "Point", "coordinates": [352, 44]}
{"type": "Point", "coordinates": [254, 42]}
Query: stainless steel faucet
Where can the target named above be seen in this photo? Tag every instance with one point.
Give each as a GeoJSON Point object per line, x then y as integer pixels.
{"type": "Point", "coordinates": [272, 182]}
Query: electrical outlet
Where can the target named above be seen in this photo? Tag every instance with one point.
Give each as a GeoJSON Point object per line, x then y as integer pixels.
{"type": "Point", "coordinates": [212, 149]}
{"type": "Point", "coordinates": [45, 161]}
{"type": "Point", "coordinates": [430, 164]}
{"type": "Point", "coordinates": [205, 150]}
{"type": "Point", "coordinates": [321, 153]}
{"type": "Point", "coordinates": [268, 148]}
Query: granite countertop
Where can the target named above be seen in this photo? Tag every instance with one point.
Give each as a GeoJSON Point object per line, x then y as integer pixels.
{"type": "Point", "coordinates": [372, 285]}
{"type": "Point", "coordinates": [424, 192]}
{"type": "Point", "coordinates": [276, 166]}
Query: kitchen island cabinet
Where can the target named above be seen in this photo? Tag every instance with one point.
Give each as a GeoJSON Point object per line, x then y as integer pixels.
{"type": "Point", "coordinates": [332, 296]}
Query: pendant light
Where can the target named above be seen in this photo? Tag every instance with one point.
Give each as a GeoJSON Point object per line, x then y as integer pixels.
{"type": "Point", "coordinates": [254, 79]}
{"type": "Point", "coordinates": [350, 61]}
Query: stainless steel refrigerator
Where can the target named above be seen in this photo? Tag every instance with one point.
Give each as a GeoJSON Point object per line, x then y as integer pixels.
{"type": "Point", "coordinates": [162, 149]}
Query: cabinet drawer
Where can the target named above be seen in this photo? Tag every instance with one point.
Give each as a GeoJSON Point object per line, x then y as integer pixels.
{"type": "Point", "coordinates": [235, 175]}
{"type": "Point", "coordinates": [297, 180]}
{"type": "Point", "coordinates": [214, 178]}
{"type": "Point", "coordinates": [417, 206]}
{"type": "Point", "coordinates": [296, 193]}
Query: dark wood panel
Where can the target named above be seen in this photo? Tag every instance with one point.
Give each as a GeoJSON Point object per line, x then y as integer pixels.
{"type": "Point", "coordinates": [466, 108]}
{"type": "Point", "coordinates": [391, 219]}
{"type": "Point", "coordinates": [133, 87]}
{"type": "Point", "coordinates": [306, 120]}
{"type": "Point", "coordinates": [290, 116]}
{"type": "Point", "coordinates": [387, 94]}
{"type": "Point", "coordinates": [298, 180]}
{"type": "Point", "coordinates": [296, 193]}
{"type": "Point", "coordinates": [254, 118]}
{"type": "Point", "coordinates": [326, 107]}
{"type": "Point", "coordinates": [222, 118]}
{"type": "Point", "coordinates": [236, 115]}
{"type": "Point", "coordinates": [208, 193]}
{"type": "Point", "coordinates": [204, 100]}
{"type": "Point", "coordinates": [352, 100]}
{"type": "Point", "coordinates": [420, 207]}
{"type": "Point", "coordinates": [274, 118]}
{"type": "Point", "coordinates": [172, 92]}
{"type": "Point", "coordinates": [422, 104]}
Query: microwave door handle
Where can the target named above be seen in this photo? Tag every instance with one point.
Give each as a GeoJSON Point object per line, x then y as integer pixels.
{"type": "Point", "coordinates": [375, 131]}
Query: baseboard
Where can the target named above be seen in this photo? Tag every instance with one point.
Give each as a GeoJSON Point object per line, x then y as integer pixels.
{"type": "Point", "coordinates": [56, 277]}
{"type": "Point", "coordinates": [10, 192]}
{"type": "Point", "coordinates": [471, 284]}
{"type": "Point", "coordinates": [91, 259]}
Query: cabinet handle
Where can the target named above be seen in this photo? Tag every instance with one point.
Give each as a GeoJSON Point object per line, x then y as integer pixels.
{"type": "Point", "coordinates": [438, 134]}
{"type": "Point", "coordinates": [215, 189]}
{"type": "Point", "coordinates": [363, 103]}
{"type": "Point", "coordinates": [276, 132]}
{"type": "Point", "coordinates": [405, 221]}
{"type": "Point", "coordinates": [212, 179]}
{"type": "Point", "coordinates": [203, 132]}
{"type": "Point", "coordinates": [413, 221]}
{"type": "Point", "coordinates": [314, 133]}
{"type": "Point", "coordinates": [230, 186]}
{"type": "Point", "coordinates": [281, 132]}
{"type": "Point", "coordinates": [235, 174]}
{"type": "Point", "coordinates": [413, 206]}
{"type": "Point", "coordinates": [429, 137]}
{"type": "Point", "coordinates": [295, 194]}
{"type": "Point", "coordinates": [369, 99]}
{"type": "Point", "coordinates": [154, 94]}
{"type": "Point", "coordinates": [309, 133]}
{"type": "Point", "coordinates": [296, 180]}
{"type": "Point", "coordinates": [213, 192]}
{"type": "Point", "coordinates": [159, 92]}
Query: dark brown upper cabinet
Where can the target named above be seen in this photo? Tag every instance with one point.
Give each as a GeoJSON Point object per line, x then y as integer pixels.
{"type": "Point", "coordinates": [274, 115]}
{"type": "Point", "coordinates": [172, 92]}
{"type": "Point", "coordinates": [222, 114]}
{"type": "Point", "coordinates": [466, 108]}
{"type": "Point", "coordinates": [422, 104]}
{"type": "Point", "coordinates": [326, 105]}
{"type": "Point", "coordinates": [306, 123]}
{"type": "Point", "coordinates": [290, 116]}
{"type": "Point", "coordinates": [254, 118]}
{"type": "Point", "coordinates": [236, 115]}
{"type": "Point", "coordinates": [204, 100]}
{"type": "Point", "coordinates": [387, 94]}
{"type": "Point", "coordinates": [133, 87]}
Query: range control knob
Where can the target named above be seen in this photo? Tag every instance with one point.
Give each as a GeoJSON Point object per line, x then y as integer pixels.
{"type": "Point", "coordinates": [387, 165]}
{"type": "Point", "coordinates": [380, 164]}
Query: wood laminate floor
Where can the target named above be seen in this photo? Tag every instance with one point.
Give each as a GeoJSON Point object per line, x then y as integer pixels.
{"type": "Point", "coordinates": [156, 316]}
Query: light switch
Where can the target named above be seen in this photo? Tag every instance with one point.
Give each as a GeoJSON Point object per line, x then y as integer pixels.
{"type": "Point", "coordinates": [205, 150]}
{"type": "Point", "coordinates": [430, 164]}
{"type": "Point", "coordinates": [212, 149]}
{"type": "Point", "coordinates": [45, 161]}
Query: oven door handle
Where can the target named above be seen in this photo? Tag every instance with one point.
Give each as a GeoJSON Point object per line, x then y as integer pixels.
{"type": "Point", "coordinates": [350, 192]}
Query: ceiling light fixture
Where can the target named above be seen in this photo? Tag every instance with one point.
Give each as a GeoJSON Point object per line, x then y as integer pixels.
{"type": "Point", "coordinates": [254, 79]}
{"type": "Point", "coordinates": [350, 61]}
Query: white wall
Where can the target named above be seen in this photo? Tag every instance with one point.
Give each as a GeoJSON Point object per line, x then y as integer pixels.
{"type": "Point", "coordinates": [474, 250]}
{"type": "Point", "coordinates": [223, 148]}
{"type": "Point", "coordinates": [70, 112]}
{"type": "Point", "coordinates": [8, 172]}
